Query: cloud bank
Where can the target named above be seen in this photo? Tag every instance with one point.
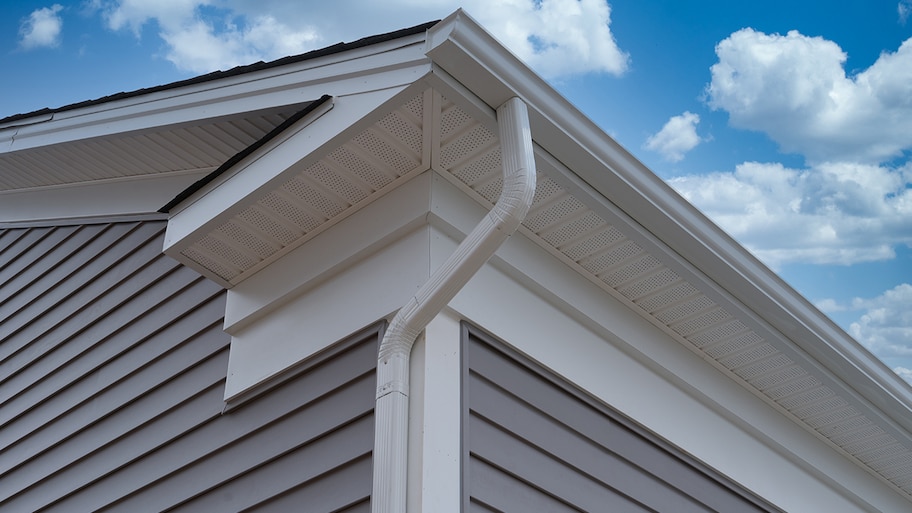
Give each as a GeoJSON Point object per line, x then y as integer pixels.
{"type": "Point", "coordinates": [201, 37]}
{"type": "Point", "coordinates": [42, 28]}
{"type": "Point", "coordinates": [853, 201]}
{"type": "Point", "coordinates": [835, 213]}
{"type": "Point", "coordinates": [556, 37]}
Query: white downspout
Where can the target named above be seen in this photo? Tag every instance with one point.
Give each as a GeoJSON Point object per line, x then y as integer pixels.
{"type": "Point", "coordinates": [391, 411]}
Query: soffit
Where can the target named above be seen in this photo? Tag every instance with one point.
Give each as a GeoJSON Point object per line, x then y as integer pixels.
{"type": "Point", "coordinates": [163, 150]}
{"type": "Point", "coordinates": [302, 204]}
{"type": "Point", "coordinates": [428, 131]}
{"type": "Point", "coordinates": [193, 125]}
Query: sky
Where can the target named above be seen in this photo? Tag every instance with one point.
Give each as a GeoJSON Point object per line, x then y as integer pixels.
{"type": "Point", "coordinates": [788, 123]}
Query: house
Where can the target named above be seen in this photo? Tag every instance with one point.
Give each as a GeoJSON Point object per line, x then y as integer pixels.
{"type": "Point", "coordinates": [279, 288]}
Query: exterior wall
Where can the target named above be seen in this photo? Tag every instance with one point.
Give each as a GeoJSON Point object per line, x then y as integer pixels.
{"type": "Point", "coordinates": [112, 372]}
{"type": "Point", "coordinates": [365, 267]}
{"type": "Point", "coordinates": [535, 443]}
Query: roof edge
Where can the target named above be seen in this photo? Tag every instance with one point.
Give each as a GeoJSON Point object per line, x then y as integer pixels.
{"type": "Point", "coordinates": [495, 74]}
{"type": "Point", "coordinates": [216, 75]}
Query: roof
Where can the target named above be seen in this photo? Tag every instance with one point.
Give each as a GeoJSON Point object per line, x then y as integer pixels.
{"type": "Point", "coordinates": [423, 100]}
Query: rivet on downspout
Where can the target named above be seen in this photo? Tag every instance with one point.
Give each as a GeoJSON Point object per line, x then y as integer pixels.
{"type": "Point", "coordinates": [391, 411]}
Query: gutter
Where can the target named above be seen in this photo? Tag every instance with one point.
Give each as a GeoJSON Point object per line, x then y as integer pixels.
{"type": "Point", "coordinates": [392, 407]}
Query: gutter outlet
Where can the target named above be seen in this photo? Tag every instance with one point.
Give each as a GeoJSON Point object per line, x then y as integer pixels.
{"type": "Point", "coordinates": [391, 411]}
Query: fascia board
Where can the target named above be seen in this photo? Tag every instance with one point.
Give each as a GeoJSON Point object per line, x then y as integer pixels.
{"type": "Point", "coordinates": [475, 59]}
{"type": "Point", "coordinates": [276, 161]}
{"type": "Point", "coordinates": [283, 85]}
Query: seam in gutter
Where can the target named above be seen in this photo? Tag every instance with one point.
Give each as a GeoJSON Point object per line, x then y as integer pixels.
{"type": "Point", "coordinates": [391, 411]}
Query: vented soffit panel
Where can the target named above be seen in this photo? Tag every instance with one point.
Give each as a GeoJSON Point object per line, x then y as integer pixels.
{"type": "Point", "coordinates": [317, 171]}
{"type": "Point", "coordinates": [169, 149]}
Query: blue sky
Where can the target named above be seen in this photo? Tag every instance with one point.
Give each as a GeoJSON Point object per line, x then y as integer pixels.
{"type": "Point", "coordinates": [789, 123]}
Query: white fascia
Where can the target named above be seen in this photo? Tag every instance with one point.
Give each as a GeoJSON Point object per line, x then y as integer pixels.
{"type": "Point", "coordinates": [284, 85]}
{"type": "Point", "coordinates": [592, 162]}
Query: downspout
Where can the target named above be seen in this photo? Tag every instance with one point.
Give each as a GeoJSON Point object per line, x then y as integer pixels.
{"type": "Point", "coordinates": [391, 411]}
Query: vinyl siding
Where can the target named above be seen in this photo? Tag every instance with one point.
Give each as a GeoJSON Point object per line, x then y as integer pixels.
{"type": "Point", "coordinates": [112, 371]}
{"type": "Point", "coordinates": [535, 443]}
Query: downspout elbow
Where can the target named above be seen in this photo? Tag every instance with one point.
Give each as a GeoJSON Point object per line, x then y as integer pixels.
{"type": "Point", "coordinates": [391, 411]}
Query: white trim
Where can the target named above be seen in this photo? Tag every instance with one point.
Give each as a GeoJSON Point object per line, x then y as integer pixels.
{"type": "Point", "coordinates": [328, 287]}
{"type": "Point", "coordinates": [550, 313]}
{"type": "Point", "coordinates": [281, 158]}
{"type": "Point", "coordinates": [340, 303]}
{"type": "Point", "coordinates": [123, 196]}
{"type": "Point", "coordinates": [401, 211]}
{"type": "Point", "coordinates": [435, 473]}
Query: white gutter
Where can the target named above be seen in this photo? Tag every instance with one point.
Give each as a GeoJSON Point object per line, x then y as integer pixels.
{"type": "Point", "coordinates": [391, 411]}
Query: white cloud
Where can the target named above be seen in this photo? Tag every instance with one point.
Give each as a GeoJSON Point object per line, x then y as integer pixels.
{"type": "Point", "coordinates": [795, 89]}
{"type": "Point", "coordinates": [42, 28]}
{"type": "Point", "coordinates": [199, 48]}
{"type": "Point", "coordinates": [555, 37]}
{"type": "Point", "coordinates": [133, 14]}
{"type": "Point", "coordinates": [677, 137]}
{"type": "Point", "coordinates": [886, 326]}
{"type": "Point", "coordinates": [834, 213]}
{"type": "Point", "coordinates": [201, 42]}
{"type": "Point", "coordinates": [904, 8]}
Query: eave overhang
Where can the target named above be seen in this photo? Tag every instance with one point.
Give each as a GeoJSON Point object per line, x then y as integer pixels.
{"type": "Point", "coordinates": [366, 140]}
{"type": "Point", "coordinates": [129, 153]}
{"type": "Point", "coordinates": [425, 101]}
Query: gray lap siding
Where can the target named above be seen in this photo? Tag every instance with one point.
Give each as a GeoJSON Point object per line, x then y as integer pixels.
{"type": "Point", "coordinates": [112, 369]}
